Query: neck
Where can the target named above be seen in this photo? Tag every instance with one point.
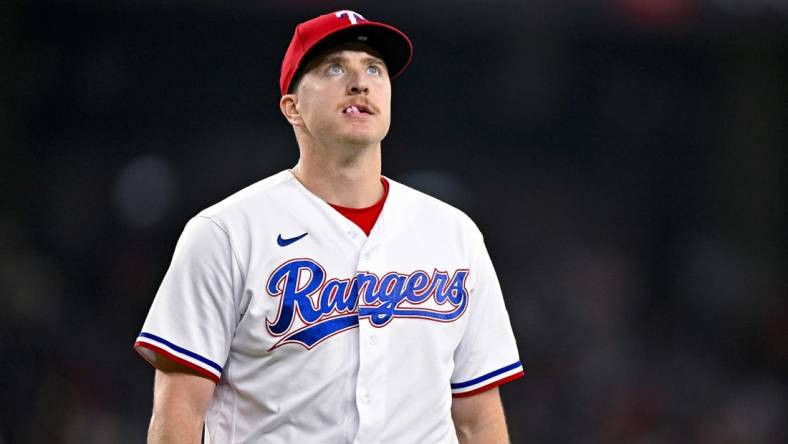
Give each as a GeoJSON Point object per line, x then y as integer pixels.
{"type": "Point", "coordinates": [345, 176]}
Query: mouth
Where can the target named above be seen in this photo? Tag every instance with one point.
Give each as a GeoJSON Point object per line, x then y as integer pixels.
{"type": "Point", "coordinates": [358, 109]}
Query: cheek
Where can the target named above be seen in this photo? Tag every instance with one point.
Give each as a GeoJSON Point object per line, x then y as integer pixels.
{"type": "Point", "coordinates": [387, 107]}
{"type": "Point", "coordinates": [313, 108]}
{"type": "Point", "coordinates": [311, 94]}
{"type": "Point", "coordinates": [384, 99]}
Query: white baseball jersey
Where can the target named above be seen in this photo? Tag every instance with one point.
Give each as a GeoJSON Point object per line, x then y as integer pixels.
{"type": "Point", "coordinates": [316, 333]}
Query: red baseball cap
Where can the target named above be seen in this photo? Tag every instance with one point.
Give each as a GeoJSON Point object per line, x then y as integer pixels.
{"type": "Point", "coordinates": [338, 27]}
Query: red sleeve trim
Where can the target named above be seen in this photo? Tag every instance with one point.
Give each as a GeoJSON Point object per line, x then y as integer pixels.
{"type": "Point", "coordinates": [170, 356]}
{"type": "Point", "coordinates": [489, 386]}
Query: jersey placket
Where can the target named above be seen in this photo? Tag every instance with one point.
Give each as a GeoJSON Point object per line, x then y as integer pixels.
{"type": "Point", "coordinates": [372, 343]}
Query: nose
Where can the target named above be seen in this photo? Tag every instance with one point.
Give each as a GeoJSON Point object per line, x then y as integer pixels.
{"type": "Point", "coordinates": [359, 89]}
{"type": "Point", "coordinates": [358, 85]}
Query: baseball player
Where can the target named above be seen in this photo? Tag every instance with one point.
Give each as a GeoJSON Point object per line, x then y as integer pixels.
{"type": "Point", "coordinates": [328, 303]}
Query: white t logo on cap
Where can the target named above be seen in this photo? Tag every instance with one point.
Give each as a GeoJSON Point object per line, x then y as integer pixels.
{"type": "Point", "coordinates": [352, 16]}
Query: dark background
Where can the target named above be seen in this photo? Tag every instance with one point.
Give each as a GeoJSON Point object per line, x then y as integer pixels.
{"type": "Point", "coordinates": [624, 158]}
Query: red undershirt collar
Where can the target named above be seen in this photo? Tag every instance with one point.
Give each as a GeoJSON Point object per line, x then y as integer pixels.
{"type": "Point", "coordinates": [365, 218]}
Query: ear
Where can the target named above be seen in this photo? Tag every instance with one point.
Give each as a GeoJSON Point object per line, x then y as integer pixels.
{"type": "Point", "coordinates": [288, 105]}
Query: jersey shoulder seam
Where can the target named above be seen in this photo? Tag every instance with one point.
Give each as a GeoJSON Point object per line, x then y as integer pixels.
{"type": "Point", "coordinates": [229, 242]}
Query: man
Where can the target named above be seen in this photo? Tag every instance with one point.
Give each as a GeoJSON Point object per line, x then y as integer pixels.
{"type": "Point", "coordinates": [327, 303]}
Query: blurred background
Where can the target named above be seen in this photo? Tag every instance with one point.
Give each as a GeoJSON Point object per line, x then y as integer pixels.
{"type": "Point", "coordinates": [624, 158]}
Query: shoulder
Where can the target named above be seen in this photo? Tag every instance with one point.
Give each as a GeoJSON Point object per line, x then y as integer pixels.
{"type": "Point", "coordinates": [416, 204]}
{"type": "Point", "coordinates": [247, 198]}
{"type": "Point", "coordinates": [250, 210]}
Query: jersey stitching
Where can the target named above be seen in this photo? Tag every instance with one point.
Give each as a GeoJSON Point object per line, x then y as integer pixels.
{"type": "Point", "coordinates": [234, 416]}
{"type": "Point", "coordinates": [244, 275]}
{"type": "Point", "coordinates": [237, 260]}
{"type": "Point", "coordinates": [230, 242]}
{"type": "Point", "coordinates": [474, 259]}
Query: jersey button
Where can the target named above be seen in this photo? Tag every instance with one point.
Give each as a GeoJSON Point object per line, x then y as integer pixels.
{"type": "Point", "coordinates": [368, 399]}
{"type": "Point", "coordinates": [367, 256]}
{"type": "Point", "coordinates": [352, 234]}
{"type": "Point", "coordinates": [373, 340]}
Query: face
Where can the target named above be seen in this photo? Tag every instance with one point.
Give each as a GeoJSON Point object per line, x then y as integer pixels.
{"type": "Point", "coordinates": [344, 96]}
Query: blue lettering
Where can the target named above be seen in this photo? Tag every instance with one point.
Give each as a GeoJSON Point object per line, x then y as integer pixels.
{"type": "Point", "coordinates": [337, 290]}
{"type": "Point", "coordinates": [417, 282]}
{"type": "Point", "coordinates": [438, 286]}
{"type": "Point", "coordinates": [390, 294]}
{"type": "Point", "coordinates": [338, 299]}
{"type": "Point", "coordinates": [456, 289]}
{"type": "Point", "coordinates": [366, 283]}
{"type": "Point", "coordinates": [292, 298]}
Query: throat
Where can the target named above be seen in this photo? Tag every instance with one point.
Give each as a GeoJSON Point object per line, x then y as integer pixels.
{"type": "Point", "coordinates": [353, 185]}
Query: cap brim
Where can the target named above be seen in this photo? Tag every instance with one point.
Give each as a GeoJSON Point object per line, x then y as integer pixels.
{"type": "Point", "coordinates": [392, 44]}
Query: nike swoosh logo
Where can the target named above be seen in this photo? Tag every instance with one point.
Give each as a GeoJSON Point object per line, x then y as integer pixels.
{"type": "Point", "coordinates": [285, 242]}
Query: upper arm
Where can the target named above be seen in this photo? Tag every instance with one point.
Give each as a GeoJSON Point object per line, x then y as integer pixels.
{"type": "Point", "coordinates": [193, 317]}
{"type": "Point", "coordinates": [180, 400]}
{"type": "Point", "coordinates": [188, 331]}
{"type": "Point", "coordinates": [486, 355]}
{"type": "Point", "coordinates": [485, 358]}
{"type": "Point", "coordinates": [480, 418]}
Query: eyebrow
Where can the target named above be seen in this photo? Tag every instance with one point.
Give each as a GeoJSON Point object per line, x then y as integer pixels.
{"type": "Point", "coordinates": [336, 58]}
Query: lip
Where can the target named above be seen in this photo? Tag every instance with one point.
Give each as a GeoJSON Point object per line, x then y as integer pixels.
{"type": "Point", "coordinates": [359, 116]}
{"type": "Point", "coordinates": [365, 110]}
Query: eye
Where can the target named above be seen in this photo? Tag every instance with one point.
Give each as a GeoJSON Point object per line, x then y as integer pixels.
{"type": "Point", "coordinates": [373, 70]}
{"type": "Point", "coordinates": [334, 69]}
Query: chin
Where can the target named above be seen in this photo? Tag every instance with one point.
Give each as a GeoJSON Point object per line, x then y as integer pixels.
{"type": "Point", "coordinates": [363, 138]}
